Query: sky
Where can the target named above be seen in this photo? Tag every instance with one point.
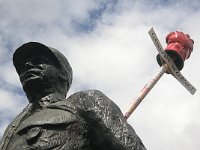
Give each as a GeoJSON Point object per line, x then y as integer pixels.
{"type": "Point", "coordinates": [109, 49]}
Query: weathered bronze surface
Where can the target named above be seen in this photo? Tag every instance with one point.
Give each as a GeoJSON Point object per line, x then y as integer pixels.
{"type": "Point", "coordinates": [87, 120]}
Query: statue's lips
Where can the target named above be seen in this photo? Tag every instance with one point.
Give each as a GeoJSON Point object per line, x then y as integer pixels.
{"type": "Point", "coordinates": [32, 73]}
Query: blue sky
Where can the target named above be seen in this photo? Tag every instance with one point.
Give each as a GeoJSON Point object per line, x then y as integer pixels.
{"type": "Point", "coordinates": [109, 49]}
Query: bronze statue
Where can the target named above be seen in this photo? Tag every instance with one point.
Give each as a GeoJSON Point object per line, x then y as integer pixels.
{"type": "Point", "coordinates": [87, 120]}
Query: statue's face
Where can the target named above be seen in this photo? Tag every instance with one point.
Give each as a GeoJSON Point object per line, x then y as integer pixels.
{"type": "Point", "coordinates": [38, 71]}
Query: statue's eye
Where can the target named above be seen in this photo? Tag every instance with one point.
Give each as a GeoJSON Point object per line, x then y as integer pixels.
{"type": "Point", "coordinates": [41, 60]}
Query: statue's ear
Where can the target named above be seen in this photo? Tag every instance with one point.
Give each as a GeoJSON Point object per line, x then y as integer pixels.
{"type": "Point", "coordinates": [62, 76]}
{"type": "Point", "coordinates": [63, 81]}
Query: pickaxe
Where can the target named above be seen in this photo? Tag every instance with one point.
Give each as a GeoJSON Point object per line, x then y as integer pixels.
{"type": "Point", "coordinates": [171, 60]}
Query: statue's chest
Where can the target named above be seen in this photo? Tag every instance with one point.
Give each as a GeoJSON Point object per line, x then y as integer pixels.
{"type": "Point", "coordinates": [47, 129]}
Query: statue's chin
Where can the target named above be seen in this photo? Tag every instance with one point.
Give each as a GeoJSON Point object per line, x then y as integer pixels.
{"type": "Point", "coordinates": [32, 82]}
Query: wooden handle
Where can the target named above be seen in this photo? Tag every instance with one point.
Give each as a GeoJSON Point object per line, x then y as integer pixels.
{"type": "Point", "coordinates": [146, 90]}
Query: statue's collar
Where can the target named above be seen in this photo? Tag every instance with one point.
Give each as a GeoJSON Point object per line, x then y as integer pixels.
{"type": "Point", "coordinates": [52, 98]}
{"type": "Point", "coordinates": [49, 99]}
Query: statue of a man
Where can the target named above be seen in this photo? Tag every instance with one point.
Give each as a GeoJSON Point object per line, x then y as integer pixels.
{"type": "Point", "coordinates": [87, 120]}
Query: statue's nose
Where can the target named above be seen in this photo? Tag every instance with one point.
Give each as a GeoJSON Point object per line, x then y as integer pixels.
{"type": "Point", "coordinates": [28, 65]}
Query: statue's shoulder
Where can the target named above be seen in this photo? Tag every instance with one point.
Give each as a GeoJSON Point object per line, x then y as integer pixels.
{"type": "Point", "coordinates": [88, 93]}
{"type": "Point", "coordinates": [95, 102]}
{"type": "Point", "coordinates": [92, 92]}
{"type": "Point", "coordinates": [90, 99]}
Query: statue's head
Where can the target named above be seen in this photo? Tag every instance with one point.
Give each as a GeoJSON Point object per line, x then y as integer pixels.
{"type": "Point", "coordinates": [42, 69]}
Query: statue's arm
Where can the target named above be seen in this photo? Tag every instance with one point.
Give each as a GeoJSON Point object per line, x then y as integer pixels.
{"type": "Point", "coordinates": [12, 128]}
{"type": "Point", "coordinates": [7, 135]}
{"type": "Point", "coordinates": [106, 122]}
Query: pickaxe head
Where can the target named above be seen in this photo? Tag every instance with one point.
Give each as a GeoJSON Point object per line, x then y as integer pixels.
{"type": "Point", "coordinates": [179, 48]}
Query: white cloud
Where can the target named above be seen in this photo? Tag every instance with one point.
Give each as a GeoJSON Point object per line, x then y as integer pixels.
{"type": "Point", "coordinates": [9, 74]}
{"type": "Point", "coordinates": [11, 102]}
